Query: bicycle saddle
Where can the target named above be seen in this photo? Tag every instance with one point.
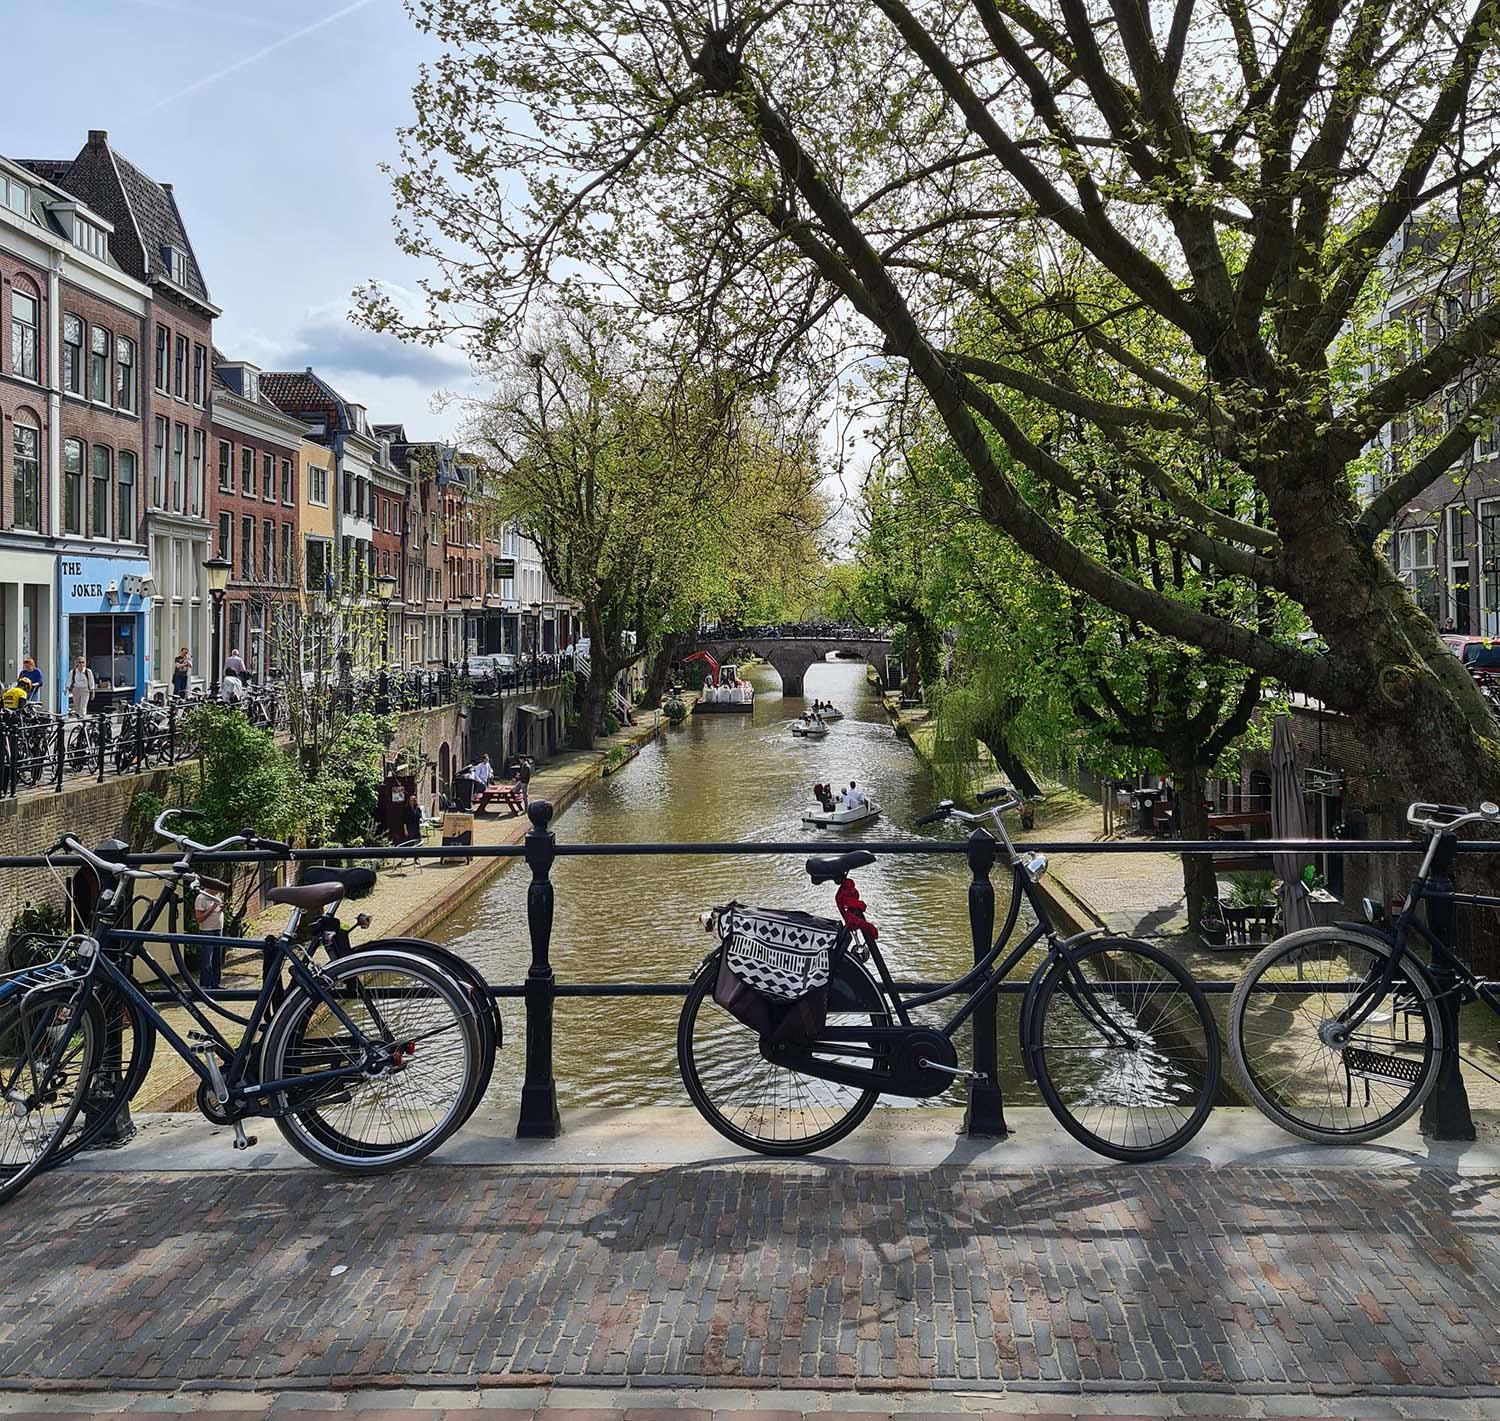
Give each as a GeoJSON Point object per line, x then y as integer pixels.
{"type": "Point", "coordinates": [307, 895]}
{"type": "Point", "coordinates": [833, 868]}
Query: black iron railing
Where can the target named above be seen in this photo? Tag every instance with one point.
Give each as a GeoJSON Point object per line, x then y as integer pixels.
{"type": "Point", "coordinates": [540, 991]}
{"type": "Point", "coordinates": [42, 751]}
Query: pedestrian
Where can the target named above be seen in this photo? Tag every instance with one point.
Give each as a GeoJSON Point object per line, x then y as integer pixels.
{"type": "Point", "coordinates": [411, 818]}
{"type": "Point", "coordinates": [523, 778]}
{"type": "Point", "coordinates": [483, 772]}
{"type": "Point", "coordinates": [236, 667]}
{"type": "Point", "coordinates": [81, 688]}
{"type": "Point", "coordinates": [181, 669]}
{"type": "Point", "coordinates": [32, 676]}
{"type": "Point", "coordinates": [13, 698]}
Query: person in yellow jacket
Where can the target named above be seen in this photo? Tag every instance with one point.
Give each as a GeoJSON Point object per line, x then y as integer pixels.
{"type": "Point", "coordinates": [14, 697]}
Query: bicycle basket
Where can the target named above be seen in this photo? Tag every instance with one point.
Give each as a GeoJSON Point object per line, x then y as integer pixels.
{"type": "Point", "coordinates": [774, 969]}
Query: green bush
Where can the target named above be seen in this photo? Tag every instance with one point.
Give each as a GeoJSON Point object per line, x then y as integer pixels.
{"type": "Point", "coordinates": [1252, 890]}
{"type": "Point", "coordinates": [675, 710]}
{"type": "Point", "coordinates": [610, 724]}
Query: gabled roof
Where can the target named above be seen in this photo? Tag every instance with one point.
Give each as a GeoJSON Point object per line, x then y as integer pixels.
{"type": "Point", "coordinates": [144, 212]}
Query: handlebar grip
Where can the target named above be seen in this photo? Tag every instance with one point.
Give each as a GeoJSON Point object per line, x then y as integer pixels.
{"type": "Point", "coordinates": [274, 846]}
{"type": "Point", "coordinates": [936, 817]}
{"type": "Point", "coordinates": [985, 796]}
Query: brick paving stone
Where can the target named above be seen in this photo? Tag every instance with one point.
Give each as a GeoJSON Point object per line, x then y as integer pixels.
{"type": "Point", "coordinates": [950, 1279]}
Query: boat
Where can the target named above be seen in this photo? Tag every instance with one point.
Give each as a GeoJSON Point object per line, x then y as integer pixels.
{"type": "Point", "coordinates": [841, 818]}
{"type": "Point", "coordinates": [723, 693]}
{"type": "Point", "coordinates": [810, 731]}
{"type": "Point", "coordinates": [832, 714]}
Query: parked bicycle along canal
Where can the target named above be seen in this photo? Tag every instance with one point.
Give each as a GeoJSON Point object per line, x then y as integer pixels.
{"type": "Point", "coordinates": [718, 778]}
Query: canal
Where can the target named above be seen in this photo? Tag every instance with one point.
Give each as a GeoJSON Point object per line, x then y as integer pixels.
{"type": "Point", "coordinates": [717, 778]}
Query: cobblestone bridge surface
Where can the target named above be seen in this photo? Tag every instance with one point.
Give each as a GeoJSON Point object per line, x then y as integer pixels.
{"type": "Point", "coordinates": [1255, 1279]}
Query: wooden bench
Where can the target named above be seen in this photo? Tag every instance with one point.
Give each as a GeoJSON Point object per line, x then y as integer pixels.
{"type": "Point", "coordinates": [506, 794]}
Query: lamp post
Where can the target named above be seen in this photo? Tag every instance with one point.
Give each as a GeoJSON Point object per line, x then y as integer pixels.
{"type": "Point", "coordinates": [218, 569]}
{"type": "Point", "coordinates": [385, 590]}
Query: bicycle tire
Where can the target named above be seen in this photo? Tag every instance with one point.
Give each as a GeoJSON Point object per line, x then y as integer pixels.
{"type": "Point", "coordinates": [471, 979]}
{"type": "Point", "coordinates": [109, 1091]}
{"type": "Point", "coordinates": [1173, 1052]}
{"type": "Point", "coordinates": [288, 1043]}
{"type": "Point", "coordinates": [770, 1092]}
{"type": "Point", "coordinates": [28, 1021]}
{"type": "Point", "coordinates": [1252, 1018]}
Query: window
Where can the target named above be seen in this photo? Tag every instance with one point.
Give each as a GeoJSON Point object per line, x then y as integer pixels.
{"type": "Point", "coordinates": [15, 195]}
{"type": "Point", "coordinates": [288, 485]}
{"type": "Point", "coordinates": [26, 469]}
{"type": "Point", "coordinates": [317, 485]}
{"type": "Point", "coordinates": [247, 471]}
{"type": "Point", "coordinates": [1416, 565]}
{"type": "Point", "coordinates": [247, 549]}
{"type": "Point", "coordinates": [100, 498]}
{"type": "Point", "coordinates": [226, 536]}
{"type": "Point", "coordinates": [195, 476]}
{"type": "Point", "coordinates": [315, 564]}
{"type": "Point", "coordinates": [125, 374]}
{"type": "Point", "coordinates": [348, 493]}
{"type": "Point", "coordinates": [1489, 438]}
{"type": "Point", "coordinates": [72, 349]}
{"type": "Point", "coordinates": [268, 549]}
{"type": "Point", "coordinates": [200, 375]}
{"type": "Point", "coordinates": [179, 464]}
{"type": "Point", "coordinates": [73, 486]}
{"type": "Point", "coordinates": [125, 483]}
{"type": "Point", "coordinates": [1459, 580]}
{"type": "Point", "coordinates": [163, 345]}
{"type": "Point", "coordinates": [268, 477]}
{"type": "Point", "coordinates": [226, 466]}
{"type": "Point", "coordinates": [159, 463]}
{"type": "Point", "coordinates": [177, 265]}
{"type": "Point", "coordinates": [179, 367]}
{"type": "Point", "coordinates": [25, 313]}
{"type": "Point", "coordinates": [99, 343]}
{"type": "Point", "coordinates": [286, 552]}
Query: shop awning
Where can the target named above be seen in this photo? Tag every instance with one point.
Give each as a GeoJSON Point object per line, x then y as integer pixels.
{"type": "Point", "coordinates": [540, 712]}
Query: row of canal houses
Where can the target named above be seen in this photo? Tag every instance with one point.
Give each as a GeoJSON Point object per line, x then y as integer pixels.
{"type": "Point", "coordinates": [134, 454]}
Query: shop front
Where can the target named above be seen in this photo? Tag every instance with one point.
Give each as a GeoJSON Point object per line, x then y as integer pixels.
{"type": "Point", "coordinates": [26, 593]}
{"type": "Point", "coordinates": [103, 604]}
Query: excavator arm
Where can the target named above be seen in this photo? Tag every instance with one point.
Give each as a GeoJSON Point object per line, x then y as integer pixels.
{"type": "Point", "coordinates": [713, 666]}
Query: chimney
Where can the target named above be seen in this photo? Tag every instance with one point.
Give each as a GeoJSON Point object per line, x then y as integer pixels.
{"type": "Point", "coordinates": [98, 137]}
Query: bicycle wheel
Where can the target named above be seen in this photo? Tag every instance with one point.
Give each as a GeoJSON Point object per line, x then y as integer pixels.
{"type": "Point", "coordinates": [766, 1107]}
{"type": "Point", "coordinates": [1125, 1049]}
{"type": "Point", "coordinates": [486, 1009]}
{"type": "Point", "coordinates": [80, 748]}
{"type": "Point", "coordinates": [126, 1050]}
{"type": "Point", "coordinates": [49, 1044]}
{"type": "Point", "coordinates": [1301, 1069]}
{"type": "Point", "coordinates": [414, 1089]}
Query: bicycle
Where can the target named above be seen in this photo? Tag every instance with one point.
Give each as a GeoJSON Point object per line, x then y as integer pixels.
{"type": "Point", "coordinates": [366, 1064]}
{"type": "Point", "coordinates": [1116, 1035]}
{"type": "Point", "coordinates": [1335, 1032]}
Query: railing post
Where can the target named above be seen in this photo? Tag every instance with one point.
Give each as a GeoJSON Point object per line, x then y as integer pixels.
{"type": "Point", "coordinates": [539, 1119]}
{"type": "Point", "coordinates": [1445, 1114]}
{"type": "Point", "coordinates": [61, 729]}
{"type": "Point", "coordinates": [985, 1115]}
{"type": "Point", "coordinates": [105, 725]}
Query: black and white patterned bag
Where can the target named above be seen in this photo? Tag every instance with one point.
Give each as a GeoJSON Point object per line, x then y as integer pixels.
{"type": "Point", "coordinates": [774, 968]}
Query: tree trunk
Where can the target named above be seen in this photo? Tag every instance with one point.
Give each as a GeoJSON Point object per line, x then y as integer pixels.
{"type": "Point", "coordinates": [994, 740]}
{"type": "Point", "coordinates": [1199, 884]}
{"type": "Point", "coordinates": [590, 703]}
{"type": "Point", "coordinates": [911, 678]}
{"type": "Point", "coordinates": [657, 676]}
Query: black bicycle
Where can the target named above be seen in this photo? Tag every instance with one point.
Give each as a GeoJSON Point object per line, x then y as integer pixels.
{"type": "Point", "coordinates": [1335, 1031]}
{"type": "Point", "coordinates": [1115, 1033]}
{"type": "Point", "coordinates": [365, 1064]}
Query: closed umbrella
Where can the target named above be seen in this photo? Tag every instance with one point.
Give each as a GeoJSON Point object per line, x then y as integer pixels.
{"type": "Point", "coordinates": [1288, 821]}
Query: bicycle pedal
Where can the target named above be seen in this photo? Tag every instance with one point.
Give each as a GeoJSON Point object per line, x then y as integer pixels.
{"type": "Point", "coordinates": [242, 1141]}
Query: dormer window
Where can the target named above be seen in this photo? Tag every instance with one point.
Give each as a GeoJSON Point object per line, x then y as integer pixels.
{"type": "Point", "coordinates": [91, 239]}
{"type": "Point", "coordinates": [250, 384]}
{"type": "Point", "coordinates": [176, 262]}
{"type": "Point", "coordinates": [16, 196]}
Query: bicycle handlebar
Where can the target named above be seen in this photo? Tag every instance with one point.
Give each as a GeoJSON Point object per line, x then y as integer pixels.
{"type": "Point", "coordinates": [1438, 818]}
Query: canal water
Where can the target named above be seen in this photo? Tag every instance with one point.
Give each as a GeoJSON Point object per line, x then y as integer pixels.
{"type": "Point", "coordinates": [719, 778]}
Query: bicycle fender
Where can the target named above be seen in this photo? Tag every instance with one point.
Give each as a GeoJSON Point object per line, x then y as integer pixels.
{"type": "Point", "coordinates": [462, 970]}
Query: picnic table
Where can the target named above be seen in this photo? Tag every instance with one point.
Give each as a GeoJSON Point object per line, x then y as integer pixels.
{"type": "Point", "coordinates": [507, 794]}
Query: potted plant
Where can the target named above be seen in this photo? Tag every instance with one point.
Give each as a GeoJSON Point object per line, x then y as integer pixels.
{"type": "Point", "coordinates": [1253, 901]}
{"type": "Point", "coordinates": [1214, 929]}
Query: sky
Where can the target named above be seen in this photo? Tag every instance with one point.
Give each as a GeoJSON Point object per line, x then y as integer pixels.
{"type": "Point", "coordinates": [271, 121]}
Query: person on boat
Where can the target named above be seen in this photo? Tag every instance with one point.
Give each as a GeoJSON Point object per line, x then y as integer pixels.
{"type": "Point", "coordinates": [854, 797]}
{"type": "Point", "coordinates": [825, 798]}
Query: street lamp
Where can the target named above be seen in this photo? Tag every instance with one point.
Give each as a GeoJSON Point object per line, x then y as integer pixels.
{"type": "Point", "coordinates": [385, 590]}
{"type": "Point", "coordinates": [218, 569]}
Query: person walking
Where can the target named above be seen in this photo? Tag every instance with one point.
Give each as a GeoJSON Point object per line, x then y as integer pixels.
{"type": "Point", "coordinates": [32, 676]}
{"type": "Point", "coordinates": [182, 668]}
{"type": "Point", "coordinates": [236, 667]}
{"type": "Point", "coordinates": [523, 778]}
{"type": "Point", "coordinates": [81, 687]}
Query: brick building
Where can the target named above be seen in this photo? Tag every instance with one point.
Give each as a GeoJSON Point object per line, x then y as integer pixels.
{"type": "Point", "coordinates": [256, 508]}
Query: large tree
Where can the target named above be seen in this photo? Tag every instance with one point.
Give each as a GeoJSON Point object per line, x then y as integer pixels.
{"type": "Point", "coordinates": [1254, 177]}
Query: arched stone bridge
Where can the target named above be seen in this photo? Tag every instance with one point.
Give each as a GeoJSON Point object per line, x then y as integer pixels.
{"type": "Point", "coordinates": [791, 650]}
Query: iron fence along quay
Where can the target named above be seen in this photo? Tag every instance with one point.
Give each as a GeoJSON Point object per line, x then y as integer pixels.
{"type": "Point", "coordinates": [540, 991]}
{"type": "Point", "coordinates": [39, 750]}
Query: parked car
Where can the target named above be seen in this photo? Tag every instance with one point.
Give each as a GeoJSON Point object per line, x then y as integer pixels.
{"type": "Point", "coordinates": [1480, 654]}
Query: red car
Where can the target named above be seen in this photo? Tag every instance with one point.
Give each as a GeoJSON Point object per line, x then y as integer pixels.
{"type": "Point", "coordinates": [1481, 654]}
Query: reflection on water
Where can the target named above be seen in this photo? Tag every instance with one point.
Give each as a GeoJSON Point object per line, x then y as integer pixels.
{"type": "Point", "coordinates": [717, 778]}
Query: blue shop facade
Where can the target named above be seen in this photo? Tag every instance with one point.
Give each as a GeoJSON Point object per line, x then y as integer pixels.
{"type": "Point", "coordinates": [102, 607]}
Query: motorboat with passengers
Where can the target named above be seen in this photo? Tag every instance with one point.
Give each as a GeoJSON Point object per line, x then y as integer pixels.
{"type": "Point", "coordinates": [841, 810]}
